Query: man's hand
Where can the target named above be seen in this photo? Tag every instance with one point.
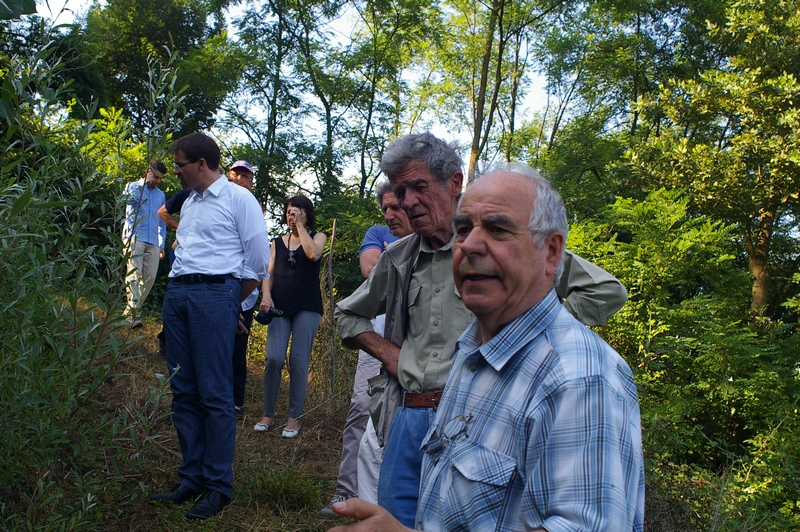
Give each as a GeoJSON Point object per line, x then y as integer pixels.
{"type": "Point", "coordinates": [240, 328]}
{"type": "Point", "coordinates": [161, 254]}
{"type": "Point", "coordinates": [380, 348]}
{"type": "Point", "coordinates": [372, 518]}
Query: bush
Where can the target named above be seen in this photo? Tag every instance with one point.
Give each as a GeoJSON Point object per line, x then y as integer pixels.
{"type": "Point", "coordinates": [61, 302]}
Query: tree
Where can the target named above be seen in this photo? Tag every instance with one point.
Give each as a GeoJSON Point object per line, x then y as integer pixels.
{"type": "Point", "coordinates": [124, 33]}
{"type": "Point", "coordinates": [383, 46]}
{"type": "Point", "coordinates": [731, 138]}
{"type": "Point", "coordinates": [478, 80]}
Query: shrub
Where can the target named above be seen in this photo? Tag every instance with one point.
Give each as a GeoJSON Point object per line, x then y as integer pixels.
{"type": "Point", "coordinates": [61, 302]}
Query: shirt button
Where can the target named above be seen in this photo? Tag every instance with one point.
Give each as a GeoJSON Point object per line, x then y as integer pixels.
{"type": "Point", "coordinates": [436, 322]}
{"type": "Point", "coordinates": [435, 354]}
{"type": "Point", "coordinates": [473, 367]}
{"type": "Point", "coordinates": [438, 258]}
{"type": "Point", "coordinates": [437, 290]}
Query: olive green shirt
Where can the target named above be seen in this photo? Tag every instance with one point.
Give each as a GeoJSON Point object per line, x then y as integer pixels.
{"type": "Point", "coordinates": [437, 316]}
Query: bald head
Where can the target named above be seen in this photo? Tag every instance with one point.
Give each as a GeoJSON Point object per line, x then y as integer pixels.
{"type": "Point", "coordinates": [507, 250]}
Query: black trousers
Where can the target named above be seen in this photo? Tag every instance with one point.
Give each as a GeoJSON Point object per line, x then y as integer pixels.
{"type": "Point", "coordinates": [240, 359]}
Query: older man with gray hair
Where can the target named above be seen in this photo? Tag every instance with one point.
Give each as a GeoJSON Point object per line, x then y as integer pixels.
{"type": "Point", "coordinates": [539, 426]}
{"type": "Point", "coordinates": [413, 285]}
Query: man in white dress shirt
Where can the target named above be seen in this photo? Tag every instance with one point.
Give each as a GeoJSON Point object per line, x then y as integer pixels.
{"type": "Point", "coordinates": [223, 254]}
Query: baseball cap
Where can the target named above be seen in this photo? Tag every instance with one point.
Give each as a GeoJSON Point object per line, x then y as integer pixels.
{"type": "Point", "coordinates": [243, 164]}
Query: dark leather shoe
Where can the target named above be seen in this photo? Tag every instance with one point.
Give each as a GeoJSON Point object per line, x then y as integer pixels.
{"type": "Point", "coordinates": [211, 503]}
{"type": "Point", "coordinates": [177, 495]}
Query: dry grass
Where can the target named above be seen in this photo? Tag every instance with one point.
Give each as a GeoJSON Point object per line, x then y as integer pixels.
{"type": "Point", "coordinates": [279, 484]}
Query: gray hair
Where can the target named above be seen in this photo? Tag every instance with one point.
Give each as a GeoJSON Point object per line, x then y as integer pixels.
{"type": "Point", "coordinates": [383, 187]}
{"type": "Point", "coordinates": [548, 214]}
{"type": "Point", "coordinates": [441, 158]}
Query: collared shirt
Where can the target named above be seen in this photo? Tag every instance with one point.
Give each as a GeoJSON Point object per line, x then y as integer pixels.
{"type": "Point", "coordinates": [436, 316]}
{"type": "Point", "coordinates": [149, 227]}
{"type": "Point", "coordinates": [222, 231]}
{"type": "Point", "coordinates": [540, 428]}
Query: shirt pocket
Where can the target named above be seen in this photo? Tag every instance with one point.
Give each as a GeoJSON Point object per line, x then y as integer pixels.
{"type": "Point", "coordinates": [481, 479]}
{"type": "Point", "coordinates": [413, 310]}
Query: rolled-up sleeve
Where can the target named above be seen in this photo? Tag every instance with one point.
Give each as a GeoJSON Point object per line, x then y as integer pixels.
{"type": "Point", "coordinates": [588, 292]}
{"type": "Point", "coordinates": [353, 314]}
{"type": "Point", "coordinates": [254, 239]}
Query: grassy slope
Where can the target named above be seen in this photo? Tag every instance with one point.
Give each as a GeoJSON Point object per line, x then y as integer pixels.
{"type": "Point", "coordinates": [279, 484]}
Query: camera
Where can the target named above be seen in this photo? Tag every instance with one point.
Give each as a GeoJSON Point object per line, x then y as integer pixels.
{"type": "Point", "coordinates": [264, 318]}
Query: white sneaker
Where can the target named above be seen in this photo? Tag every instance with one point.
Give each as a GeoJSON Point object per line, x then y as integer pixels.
{"type": "Point", "coordinates": [328, 512]}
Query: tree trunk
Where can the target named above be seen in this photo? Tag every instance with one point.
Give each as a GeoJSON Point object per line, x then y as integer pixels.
{"type": "Point", "coordinates": [758, 268]}
{"type": "Point", "coordinates": [480, 103]}
{"type": "Point", "coordinates": [758, 251]}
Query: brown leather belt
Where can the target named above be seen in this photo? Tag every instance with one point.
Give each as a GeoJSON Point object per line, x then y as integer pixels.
{"type": "Point", "coordinates": [422, 400]}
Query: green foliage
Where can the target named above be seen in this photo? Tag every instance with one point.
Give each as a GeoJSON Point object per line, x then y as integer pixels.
{"type": "Point", "coordinates": [11, 9]}
{"type": "Point", "coordinates": [717, 395]}
{"type": "Point", "coordinates": [125, 36]}
{"type": "Point", "coordinates": [63, 449]}
{"type": "Point", "coordinates": [111, 149]}
{"type": "Point", "coordinates": [354, 215]}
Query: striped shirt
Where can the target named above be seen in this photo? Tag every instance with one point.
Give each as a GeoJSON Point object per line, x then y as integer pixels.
{"type": "Point", "coordinates": [539, 427]}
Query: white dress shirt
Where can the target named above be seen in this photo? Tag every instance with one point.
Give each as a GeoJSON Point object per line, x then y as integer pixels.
{"type": "Point", "coordinates": [222, 232]}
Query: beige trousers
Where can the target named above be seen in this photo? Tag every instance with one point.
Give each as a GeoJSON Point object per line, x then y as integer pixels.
{"type": "Point", "coordinates": [142, 270]}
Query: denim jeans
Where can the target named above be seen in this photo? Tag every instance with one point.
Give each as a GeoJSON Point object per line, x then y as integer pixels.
{"type": "Point", "coordinates": [401, 471]}
{"type": "Point", "coordinates": [200, 322]}
{"type": "Point", "coordinates": [302, 327]}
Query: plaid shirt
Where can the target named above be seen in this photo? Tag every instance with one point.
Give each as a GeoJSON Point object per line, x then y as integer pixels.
{"type": "Point", "coordinates": [539, 427]}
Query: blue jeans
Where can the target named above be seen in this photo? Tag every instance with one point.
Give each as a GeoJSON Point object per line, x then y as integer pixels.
{"type": "Point", "coordinates": [200, 322]}
{"type": "Point", "coordinates": [398, 483]}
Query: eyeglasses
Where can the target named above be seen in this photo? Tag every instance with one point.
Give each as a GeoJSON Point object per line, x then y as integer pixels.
{"type": "Point", "coordinates": [178, 166]}
{"type": "Point", "coordinates": [452, 430]}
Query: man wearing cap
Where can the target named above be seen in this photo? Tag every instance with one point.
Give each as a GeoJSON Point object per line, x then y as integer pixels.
{"type": "Point", "coordinates": [144, 234]}
{"type": "Point", "coordinates": [241, 173]}
{"type": "Point", "coordinates": [223, 252]}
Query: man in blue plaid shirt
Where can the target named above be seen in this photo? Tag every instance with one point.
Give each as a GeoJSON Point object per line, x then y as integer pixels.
{"type": "Point", "coordinates": [538, 427]}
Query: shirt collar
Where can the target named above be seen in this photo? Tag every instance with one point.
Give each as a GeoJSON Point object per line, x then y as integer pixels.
{"type": "Point", "coordinates": [425, 245]}
{"type": "Point", "coordinates": [216, 187]}
{"type": "Point", "coordinates": [520, 331]}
